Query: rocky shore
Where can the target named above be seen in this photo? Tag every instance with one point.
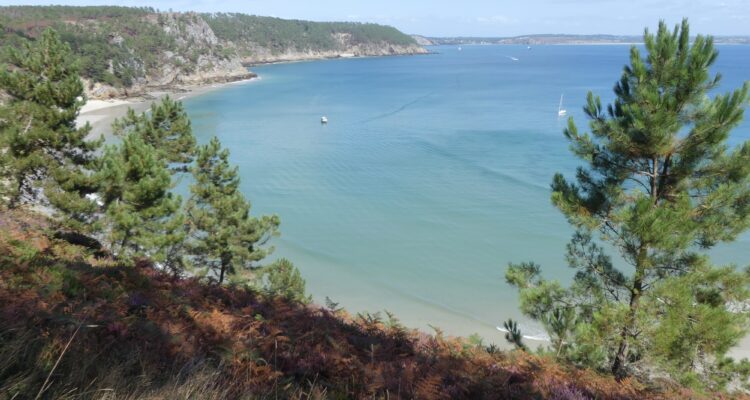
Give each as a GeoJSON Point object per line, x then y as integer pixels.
{"type": "Point", "coordinates": [177, 71]}
{"type": "Point", "coordinates": [130, 53]}
{"type": "Point", "coordinates": [264, 56]}
{"type": "Point", "coordinates": [201, 58]}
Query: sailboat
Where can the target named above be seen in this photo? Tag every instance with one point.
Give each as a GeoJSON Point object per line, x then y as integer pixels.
{"type": "Point", "coordinates": [561, 111]}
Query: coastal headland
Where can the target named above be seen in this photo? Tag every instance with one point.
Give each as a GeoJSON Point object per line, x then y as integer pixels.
{"type": "Point", "coordinates": [131, 53]}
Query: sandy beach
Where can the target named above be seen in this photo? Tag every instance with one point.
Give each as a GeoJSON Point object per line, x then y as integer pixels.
{"type": "Point", "coordinates": [100, 114]}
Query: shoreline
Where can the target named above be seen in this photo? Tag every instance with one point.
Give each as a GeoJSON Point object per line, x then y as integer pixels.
{"type": "Point", "coordinates": [333, 58]}
{"type": "Point", "coordinates": [100, 114]}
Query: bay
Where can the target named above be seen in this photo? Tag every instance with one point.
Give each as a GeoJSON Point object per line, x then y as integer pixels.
{"type": "Point", "coordinates": [432, 174]}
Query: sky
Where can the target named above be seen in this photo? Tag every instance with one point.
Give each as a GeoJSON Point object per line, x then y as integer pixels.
{"type": "Point", "coordinates": [480, 17]}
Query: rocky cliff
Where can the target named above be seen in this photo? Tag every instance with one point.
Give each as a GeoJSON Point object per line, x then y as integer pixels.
{"type": "Point", "coordinates": [265, 39]}
{"type": "Point", "coordinates": [130, 51]}
{"type": "Point", "coordinates": [209, 65]}
{"type": "Point", "coordinates": [197, 58]}
{"type": "Point", "coordinates": [262, 55]}
{"type": "Point", "coordinates": [423, 41]}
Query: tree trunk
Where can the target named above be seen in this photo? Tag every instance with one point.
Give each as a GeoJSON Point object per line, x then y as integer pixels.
{"type": "Point", "coordinates": [618, 366]}
{"type": "Point", "coordinates": [224, 268]}
{"type": "Point", "coordinates": [221, 273]}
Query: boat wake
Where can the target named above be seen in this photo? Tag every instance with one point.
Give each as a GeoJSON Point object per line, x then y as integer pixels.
{"type": "Point", "coordinates": [398, 110]}
{"type": "Point", "coordinates": [443, 151]}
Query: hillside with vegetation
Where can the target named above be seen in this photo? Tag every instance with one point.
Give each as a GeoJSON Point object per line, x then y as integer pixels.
{"type": "Point", "coordinates": [79, 326]}
{"type": "Point", "coordinates": [266, 39]}
{"type": "Point", "coordinates": [128, 51]}
{"type": "Point", "coordinates": [114, 286]}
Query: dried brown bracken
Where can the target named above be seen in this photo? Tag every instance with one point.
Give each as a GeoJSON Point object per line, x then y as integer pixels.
{"type": "Point", "coordinates": [143, 333]}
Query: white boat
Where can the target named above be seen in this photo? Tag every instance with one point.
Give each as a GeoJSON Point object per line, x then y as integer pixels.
{"type": "Point", "coordinates": [561, 111]}
{"type": "Point", "coordinates": [324, 120]}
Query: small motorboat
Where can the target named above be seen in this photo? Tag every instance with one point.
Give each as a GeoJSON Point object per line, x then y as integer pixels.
{"type": "Point", "coordinates": [324, 120]}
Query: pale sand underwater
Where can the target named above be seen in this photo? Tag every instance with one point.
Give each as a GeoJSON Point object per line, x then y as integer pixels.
{"type": "Point", "coordinates": [100, 114]}
{"type": "Point", "coordinates": [430, 177]}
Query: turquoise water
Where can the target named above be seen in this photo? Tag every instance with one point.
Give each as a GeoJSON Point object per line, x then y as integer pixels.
{"type": "Point", "coordinates": [432, 174]}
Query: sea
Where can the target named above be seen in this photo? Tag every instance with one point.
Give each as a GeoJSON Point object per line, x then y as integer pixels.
{"type": "Point", "coordinates": [432, 174]}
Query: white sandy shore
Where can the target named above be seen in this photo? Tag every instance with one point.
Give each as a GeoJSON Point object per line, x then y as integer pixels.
{"type": "Point", "coordinates": [100, 114]}
{"type": "Point", "coordinates": [93, 105]}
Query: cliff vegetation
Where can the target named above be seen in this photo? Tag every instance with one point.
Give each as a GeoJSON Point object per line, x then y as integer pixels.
{"type": "Point", "coordinates": [126, 51]}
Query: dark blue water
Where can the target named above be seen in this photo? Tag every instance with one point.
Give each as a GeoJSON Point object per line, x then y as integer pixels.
{"type": "Point", "coordinates": [432, 174]}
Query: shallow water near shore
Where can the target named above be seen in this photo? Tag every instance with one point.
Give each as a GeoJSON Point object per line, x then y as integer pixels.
{"type": "Point", "coordinates": [432, 174]}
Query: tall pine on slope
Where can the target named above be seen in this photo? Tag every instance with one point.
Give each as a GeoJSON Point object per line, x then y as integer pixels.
{"type": "Point", "coordinates": [225, 239]}
{"type": "Point", "coordinates": [167, 128]}
{"type": "Point", "coordinates": [41, 145]}
{"type": "Point", "coordinates": [660, 186]}
{"type": "Point", "coordinates": [143, 216]}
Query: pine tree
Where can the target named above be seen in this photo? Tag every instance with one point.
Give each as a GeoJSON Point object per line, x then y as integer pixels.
{"type": "Point", "coordinates": [141, 213]}
{"type": "Point", "coordinates": [167, 128]}
{"type": "Point", "coordinates": [41, 145]}
{"type": "Point", "coordinates": [282, 278]}
{"type": "Point", "coordinates": [513, 334]}
{"type": "Point", "coordinates": [226, 239]}
{"type": "Point", "coordinates": [660, 187]}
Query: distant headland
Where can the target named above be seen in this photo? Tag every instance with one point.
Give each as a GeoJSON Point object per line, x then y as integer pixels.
{"type": "Point", "coordinates": [551, 39]}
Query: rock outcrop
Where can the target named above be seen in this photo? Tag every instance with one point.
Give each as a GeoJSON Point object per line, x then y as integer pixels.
{"type": "Point", "coordinates": [423, 41]}
{"type": "Point", "coordinates": [125, 52]}
{"type": "Point", "coordinates": [199, 59]}
{"type": "Point", "coordinates": [262, 55]}
{"type": "Point", "coordinates": [261, 40]}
